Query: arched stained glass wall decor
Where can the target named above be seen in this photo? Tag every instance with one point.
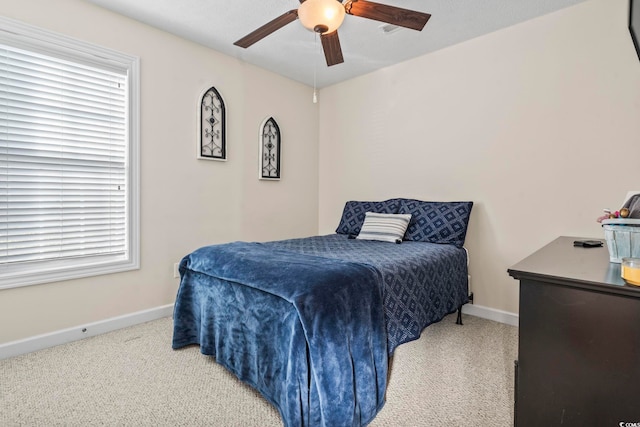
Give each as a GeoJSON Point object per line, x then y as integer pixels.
{"type": "Point", "coordinates": [270, 145]}
{"type": "Point", "coordinates": [213, 144]}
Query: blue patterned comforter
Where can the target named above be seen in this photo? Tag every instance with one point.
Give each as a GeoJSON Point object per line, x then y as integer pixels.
{"type": "Point", "coordinates": [309, 322]}
{"type": "Point", "coordinates": [423, 282]}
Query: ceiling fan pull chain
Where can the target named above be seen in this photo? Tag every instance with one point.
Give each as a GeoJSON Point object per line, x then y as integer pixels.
{"type": "Point", "coordinates": [315, 62]}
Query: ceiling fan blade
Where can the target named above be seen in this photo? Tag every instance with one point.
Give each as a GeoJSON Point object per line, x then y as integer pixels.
{"type": "Point", "coordinates": [267, 29]}
{"type": "Point", "coordinates": [389, 14]}
{"type": "Point", "coordinates": [332, 49]}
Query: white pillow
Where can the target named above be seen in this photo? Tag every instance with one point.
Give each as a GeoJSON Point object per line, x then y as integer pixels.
{"type": "Point", "coordinates": [384, 227]}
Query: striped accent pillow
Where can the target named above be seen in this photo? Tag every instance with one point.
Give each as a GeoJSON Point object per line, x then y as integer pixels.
{"type": "Point", "coordinates": [384, 227]}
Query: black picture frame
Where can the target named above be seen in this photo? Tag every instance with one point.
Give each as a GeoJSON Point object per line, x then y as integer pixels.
{"type": "Point", "coordinates": [270, 146]}
{"type": "Point", "coordinates": [212, 140]}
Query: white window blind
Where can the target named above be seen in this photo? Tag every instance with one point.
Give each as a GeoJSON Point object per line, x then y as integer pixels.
{"type": "Point", "coordinates": [64, 163]}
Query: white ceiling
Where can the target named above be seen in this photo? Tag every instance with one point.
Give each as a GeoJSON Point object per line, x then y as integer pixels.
{"type": "Point", "coordinates": [294, 52]}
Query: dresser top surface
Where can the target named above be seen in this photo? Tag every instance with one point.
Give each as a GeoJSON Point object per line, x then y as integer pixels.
{"type": "Point", "coordinates": [562, 263]}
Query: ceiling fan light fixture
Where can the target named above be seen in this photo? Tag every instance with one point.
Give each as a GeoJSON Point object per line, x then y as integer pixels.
{"type": "Point", "coordinates": [322, 16]}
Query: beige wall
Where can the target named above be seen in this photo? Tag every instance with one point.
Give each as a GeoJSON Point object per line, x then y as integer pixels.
{"type": "Point", "coordinates": [185, 203]}
{"type": "Point", "coordinates": [538, 124]}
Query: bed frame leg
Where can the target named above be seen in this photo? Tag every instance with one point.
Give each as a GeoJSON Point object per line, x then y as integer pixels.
{"type": "Point", "coordinates": [459, 319]}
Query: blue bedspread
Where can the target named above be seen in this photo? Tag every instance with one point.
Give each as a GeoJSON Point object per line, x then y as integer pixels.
{"type": "Point", "coordinates": [308, 332]}
{"type": "Point", "coordinates": [422, 282]}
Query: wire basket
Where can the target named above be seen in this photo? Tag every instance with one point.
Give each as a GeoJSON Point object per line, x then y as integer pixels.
{"type": "Point", "coordinates": [623, 238]}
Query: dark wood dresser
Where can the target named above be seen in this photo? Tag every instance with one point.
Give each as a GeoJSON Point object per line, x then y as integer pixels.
{"type": "Point", "coordinates": [579, 345]}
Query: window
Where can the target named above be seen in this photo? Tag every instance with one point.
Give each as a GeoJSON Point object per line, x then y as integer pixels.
{"type": "Point", "coordinates": [68, 158]}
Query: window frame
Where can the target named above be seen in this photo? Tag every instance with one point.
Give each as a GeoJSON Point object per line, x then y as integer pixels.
{"type": "Point", "coordinates": [28, 37]}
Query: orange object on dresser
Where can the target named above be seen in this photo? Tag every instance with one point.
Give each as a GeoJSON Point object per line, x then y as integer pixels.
{"type": "Point", "coordinates": [630, 270]}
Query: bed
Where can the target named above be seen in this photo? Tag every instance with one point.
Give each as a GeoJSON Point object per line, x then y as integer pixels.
{"type": "Point", "coordinates": [311, 323]}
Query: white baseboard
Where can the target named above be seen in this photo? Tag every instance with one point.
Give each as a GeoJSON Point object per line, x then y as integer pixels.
{"type": "Point", "coordinates": [40, 342]}
{"type": "Point", "coordinates": [491, 314]}
{"type": "Point", "coordinates": [63, 336]}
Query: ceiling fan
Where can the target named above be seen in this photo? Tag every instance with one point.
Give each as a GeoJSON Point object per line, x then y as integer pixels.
{"type": "Point", "coordinates": [325, 16]}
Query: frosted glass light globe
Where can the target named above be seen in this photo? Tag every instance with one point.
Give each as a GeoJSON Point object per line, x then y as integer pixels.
{"type": "Point", "coordinates": [315, 15]}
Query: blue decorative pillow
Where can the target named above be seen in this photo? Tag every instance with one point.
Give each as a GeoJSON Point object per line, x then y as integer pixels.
{"type": "Point", "coordinates": [437, 222]}
{"type": "Point", "coordinates": [354, 213]}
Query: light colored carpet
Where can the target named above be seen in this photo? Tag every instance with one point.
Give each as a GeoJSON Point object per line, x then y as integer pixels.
{"type": "Point", "coordinates": [452, 376]}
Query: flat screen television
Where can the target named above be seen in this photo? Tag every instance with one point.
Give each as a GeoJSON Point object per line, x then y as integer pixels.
{"type": "Point", "coordinates": [634, 23]}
